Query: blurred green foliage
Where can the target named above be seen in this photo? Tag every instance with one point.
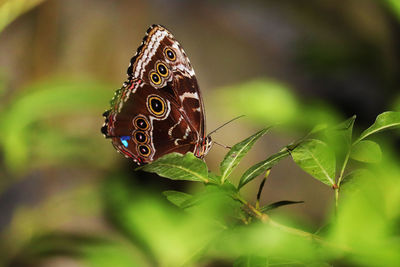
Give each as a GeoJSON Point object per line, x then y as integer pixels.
{"type": "Point", "coordinates": [55, 123]}
{"type": "Point", "coordinates": [368, 220]}
{"type": "Point", "coordinates": [216, 223]}
{"type": "Point", "coordinates": [394, 6]}
{"type": "Point", "coordinates": [47, 125]}
{"type": "Point", "coordinates": [227, 226]}
{"type": "Point", "coordinates": [11, 9]}
{"type": "Point", "coordinates": [37, 108]}
{"type": "Point", "coordinates": [267, 102]}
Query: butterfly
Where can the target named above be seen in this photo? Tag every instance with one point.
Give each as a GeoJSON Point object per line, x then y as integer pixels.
{"type": "Point", "coordinates": [159, 109]}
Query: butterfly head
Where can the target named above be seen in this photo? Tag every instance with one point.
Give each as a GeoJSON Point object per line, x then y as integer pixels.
{"type": "Point", "coordinates": [204, 148]}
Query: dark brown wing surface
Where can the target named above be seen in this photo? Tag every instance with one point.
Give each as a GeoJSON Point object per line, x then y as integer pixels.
{"type": "Point", "coordinates": [159, 109]}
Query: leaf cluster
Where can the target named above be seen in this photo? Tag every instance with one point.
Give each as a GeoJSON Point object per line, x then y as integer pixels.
{"type": "Point", "coordinates": [324, 153]}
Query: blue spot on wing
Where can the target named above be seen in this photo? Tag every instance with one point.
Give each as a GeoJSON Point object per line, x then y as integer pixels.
{"type": "Point", "coordinates": [124, 140]}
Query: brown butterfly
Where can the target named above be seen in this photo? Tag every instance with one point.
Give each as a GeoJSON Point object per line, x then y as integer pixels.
{"type": "Point", "coordinates": [159, 108]}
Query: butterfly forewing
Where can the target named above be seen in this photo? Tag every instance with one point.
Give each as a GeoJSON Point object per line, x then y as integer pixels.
{"type": "Point", "coordinates": [159, 109]}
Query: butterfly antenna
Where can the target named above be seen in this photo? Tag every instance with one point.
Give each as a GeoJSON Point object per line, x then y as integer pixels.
{"type": "Point", "coordinates": [238, 117]}
{"type": "Point", "coordinates": [224, 146]}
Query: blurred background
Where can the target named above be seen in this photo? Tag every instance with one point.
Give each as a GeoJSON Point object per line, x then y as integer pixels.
{"type": "Point", "coordinates": [291, 63]}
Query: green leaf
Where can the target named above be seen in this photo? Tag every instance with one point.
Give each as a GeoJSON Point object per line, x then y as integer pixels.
{"type": "Point", "coordinates": [177, 198]}
{"type": "Point", "coordinates": [211, 190]}
{"type": "Point", "coordinates": [215, 179]}
{"type": "Point", "coordinates": [339, 137]}
{"type": "Point", "coordinates": [176, 166]}
{"type": "Point", "coordinates": [352, 181]}
{"type": "Point", "coordinates": [366, 151]}
{"type": "Point", "coordinates": [317, 159]}
{"type": "Point", "coordinates": [278, 204]}
{"type": "Point", "coordinates": [237, 152]}
{"type": "Point", "coordinates": [356, 175]}
{"type": "Point", "coordinates": [261, 167]}
{"type": "Point", "coordinates": [318, 128]}
{"type": "Point", "coordinates": [384, 121]}
{"type": "Point", "coordinates": [346, 128]}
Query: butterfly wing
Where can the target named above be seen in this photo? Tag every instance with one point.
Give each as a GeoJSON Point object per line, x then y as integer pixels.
{"type": "Point", "coordinates": [184, 88]}
{"type": "Point", "coordinates": [159, 109]}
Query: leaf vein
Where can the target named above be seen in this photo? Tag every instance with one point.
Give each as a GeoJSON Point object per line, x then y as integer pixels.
{"type": "Point", "coordinates": [237, 155]}
{"type": "Point", "coordinates": [321, 167]}
{"type": "Point", "coordinates": [186, 170]}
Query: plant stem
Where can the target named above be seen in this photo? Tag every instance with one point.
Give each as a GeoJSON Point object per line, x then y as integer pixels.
{"type": "Point", "coordinates": [266, 219]}
{"type": "Point", "coordinates": [346, 160]}
{"type": "Point", "coordinates": [337, 188]}
{"type": "Point", "coordinates": [261, 188]}
{"type": "Point", "coordinates": [255, 212]}
{"type": "Point", "coordinates": [336, 200]}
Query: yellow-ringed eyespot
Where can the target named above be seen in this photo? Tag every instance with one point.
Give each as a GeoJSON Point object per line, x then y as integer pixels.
{"type": "Point", "coordinates": [170, 54]}
{"type": "Point", "coordinates": [156, 105]}
{"type": "Point", "coordinates": [140, 136]}
{"type": "Point", "coordinates": [141, 123]}
{"type": "Point", "coordinates": [155, 78]}
{"type": "Point", "coordinates": [162, 69]}
{"type": "Point", "coordinates": [144, 150]}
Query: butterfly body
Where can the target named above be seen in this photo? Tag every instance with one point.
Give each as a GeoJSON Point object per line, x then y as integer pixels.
{"type": "Point", "coordinates": [159, 109]}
